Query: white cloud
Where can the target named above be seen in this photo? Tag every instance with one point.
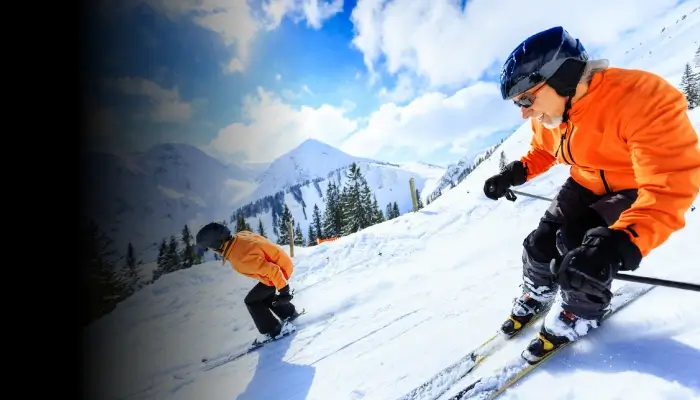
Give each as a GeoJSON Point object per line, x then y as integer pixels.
{"type": "Point", "coordinates": [437, 40]}
{"type": "Point", "coordinates": [165, 104]}
{"type": "Point", "coordinates": [434, 121]}
{"type": "Point", "coordinates": [238, 24]}
{"type": "Point", "coordinates": [235, 65]}
{"type": "Point", "coordinates": [403, 90]}
{"type": "Point", "coordinates": [315, 12]}
{"type": "Point", "coordinates": [274, 128]}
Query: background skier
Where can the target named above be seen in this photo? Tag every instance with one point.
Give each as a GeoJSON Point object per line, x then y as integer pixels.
{"type": "Point", "coordinates": [256, 257]}
{"type": "Point", "coordinates": [635, 172]}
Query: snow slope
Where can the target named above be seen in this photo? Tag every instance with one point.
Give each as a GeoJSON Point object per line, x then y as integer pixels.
{"type": "Point", "coordinates": [389, 182]}
{"type": "Point", "coordinates": [391, 305]}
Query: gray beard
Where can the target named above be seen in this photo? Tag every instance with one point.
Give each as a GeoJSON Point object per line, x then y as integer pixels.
{"type": "Point", "coordinates": [554, 123]}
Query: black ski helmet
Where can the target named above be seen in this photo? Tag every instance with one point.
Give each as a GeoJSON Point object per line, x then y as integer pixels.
{"type": "Point", "coordinates": [212, 236]}
{"type": "Point", "coordinates": [540, 58]}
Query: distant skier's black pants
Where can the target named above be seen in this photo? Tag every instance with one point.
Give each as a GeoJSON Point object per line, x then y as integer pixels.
{"type": "Point", "coordinates": [259, 303]}
{"type": "Point", "coordinates": [573, 211]}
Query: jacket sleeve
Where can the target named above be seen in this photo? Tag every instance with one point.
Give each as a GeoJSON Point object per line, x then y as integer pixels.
{"type": "Point", "coordinates": [664, 149]}
{"type": "Point", "coordinates": [537, 161]}
{"type": "Point", "coordinates": [279, 264]}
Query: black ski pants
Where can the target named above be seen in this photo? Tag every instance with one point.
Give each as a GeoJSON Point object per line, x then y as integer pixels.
{"type": "Point", "coordinates": [573, 211]}
{"type": "Point", "coordinates": [259, 303]}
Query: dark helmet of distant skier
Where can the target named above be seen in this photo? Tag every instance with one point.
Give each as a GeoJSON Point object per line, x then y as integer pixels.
{"type": "Point", "coordinates": [213, 236]}
{"type": "Point", "coordinates": [551, 56]}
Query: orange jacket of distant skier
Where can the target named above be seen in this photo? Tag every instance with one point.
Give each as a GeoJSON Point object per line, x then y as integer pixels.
{"type": "Point", "coordinates": [256, 257]}
{"type": "Point", "coordinates": [631, 130]}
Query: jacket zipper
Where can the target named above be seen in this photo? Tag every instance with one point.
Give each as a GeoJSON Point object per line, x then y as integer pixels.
{"type": "Point", "coordinates": [566, 145]}
{"type": "Point", "coordinates": [563, 145]}
{"type": "Point", "coordinates": [605, 182]}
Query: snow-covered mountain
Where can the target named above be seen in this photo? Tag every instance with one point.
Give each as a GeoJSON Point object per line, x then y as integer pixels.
{"type": "Point", "coordinates": [144, 197]}
{"type": "Point", "coordinates": [311, 159]}
{"type": "Point", "coordinates": [389, 183]}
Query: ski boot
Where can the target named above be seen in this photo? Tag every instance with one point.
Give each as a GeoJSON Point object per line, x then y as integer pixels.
{"type": "Point", "coordinates": [559, 328]}
{"type": "Point", "coordinates": [292, 317]}
{"type": "Point", "coordinates": [525, 308]}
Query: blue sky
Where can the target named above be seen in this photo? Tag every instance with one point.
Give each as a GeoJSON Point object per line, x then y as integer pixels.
{"type": "Point", "coordinates": [397, 80]}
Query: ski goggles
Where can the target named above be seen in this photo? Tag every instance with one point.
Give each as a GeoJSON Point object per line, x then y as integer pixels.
{"type": "Point", "coordinates": [527, 99]}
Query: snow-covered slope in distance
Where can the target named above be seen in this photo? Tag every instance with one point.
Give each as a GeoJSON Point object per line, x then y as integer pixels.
{"type": "Point", "coordinates": [311, 159]}
{"type": "Point", "coordinates": [388, 182]}
{"type": "Point", "coordinates": [144, 197]}
{"type": "Point", "coordinates": [391, 305]}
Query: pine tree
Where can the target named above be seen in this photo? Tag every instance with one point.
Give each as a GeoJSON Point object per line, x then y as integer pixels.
{"type": "Point", "coordinates": [395, 210]}
{"type": "Point", "coordinates": [377, 215]}
{"type": "Point", "coordinates": [316, 224]}
{"type": "Point", "coordinates": [261, 228]}
{"type": "Point", "coordinates": [172, 256]}
{"type": "Point", "coordinates": [356, 201]}
{"type": "Point", "coordinates": [502, 162]}
{"type": "Point", "coordinates": [130, 272]}
{"type": "Point", "coordinates": [161, 261]}
{"type": "Point", "coordinates": [188, 255]}
{"type": "Point", "coordinates": [241, 224]}
{"type": "Point", "coordinates": [689, 87]}
{"type": "Point", "coordinates": [697, 58]}
{"type": "Point", "coordinates": [298, 235]}
{"type": "Point", "coordinates": [100, 285]}
{"type": "Point", "coordinates": [333, 214]}
{"type": "Point", "coordinates": [283, 238]}
{"type": "Point", "coordinates": [311, 236]}
{"type": "Point", "coordinates": [389, 211]}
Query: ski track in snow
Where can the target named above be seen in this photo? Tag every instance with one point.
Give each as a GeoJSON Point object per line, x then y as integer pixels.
{"type": "Point", "coordinates": [389, 307]}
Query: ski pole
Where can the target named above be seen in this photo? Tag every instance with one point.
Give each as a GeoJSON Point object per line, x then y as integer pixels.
{"type": "Point", "coordinates": [658, 282]}
{"type": "Point", "coordinates": [511, 195]}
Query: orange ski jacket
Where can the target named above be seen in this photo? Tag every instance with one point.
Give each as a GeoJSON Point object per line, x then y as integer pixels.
{"type": "Point", "coordinates": [256, 257]}
{"type": "Point", "coordinates": [630, 131]}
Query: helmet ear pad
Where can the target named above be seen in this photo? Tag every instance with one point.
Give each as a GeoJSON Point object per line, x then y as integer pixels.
{"type": "Point", "coordinates": [567, 77]}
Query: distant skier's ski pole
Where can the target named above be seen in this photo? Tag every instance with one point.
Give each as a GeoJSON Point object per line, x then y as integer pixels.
{"type": "Point", "coordinates": [510, 195]}
{"type": "Point", "coordinates": [658, 282]}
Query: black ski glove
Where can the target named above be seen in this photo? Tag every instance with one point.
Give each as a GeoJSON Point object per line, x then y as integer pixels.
{"type": "Point", "coordinates": [591, 267]}
{"type": "Point", "coordinates": [496, 186]}
{"type": "Point", "coordinates": [284, 297]}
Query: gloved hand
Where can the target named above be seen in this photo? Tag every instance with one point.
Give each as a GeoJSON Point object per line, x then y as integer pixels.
{"type": "Point", "coordinates": [496, 186]}
{"type": "Point", "coordinates": [284, 296]}
{"type": "Point", "coordinates": [590, 268]}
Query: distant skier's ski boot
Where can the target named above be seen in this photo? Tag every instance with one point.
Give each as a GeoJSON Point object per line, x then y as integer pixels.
{"type": "Point", "coordinates": [525, 308]}
{"type": "Point", "coordinates": [558, 328]}
{"type": "Point", "coordinates": [292, 317]}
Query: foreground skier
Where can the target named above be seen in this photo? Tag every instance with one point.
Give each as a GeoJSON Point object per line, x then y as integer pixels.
{"type": "Point", "coordinates": [635, 171]}
{"type": "Point", "coordinates": [254, 256]}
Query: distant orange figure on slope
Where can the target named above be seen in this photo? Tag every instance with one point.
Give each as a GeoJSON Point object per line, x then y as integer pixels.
{"type": "Point", "coordinates": [256, 257]}
{"type": "Point", "coordinates": [635, 172]}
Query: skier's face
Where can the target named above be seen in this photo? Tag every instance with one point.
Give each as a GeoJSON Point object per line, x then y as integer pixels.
{"type": "Point", "coordinates": [543, 104]}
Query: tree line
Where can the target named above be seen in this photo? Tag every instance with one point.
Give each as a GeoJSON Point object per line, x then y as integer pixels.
{"type": "Point", "coordinates": [690, 81]}
{"type": "Point", "coordinates": [468, 170]}
{"type": "Point", "coordinates": [346, 211]}
{"type": "Point", "coordinates": [108, 279]}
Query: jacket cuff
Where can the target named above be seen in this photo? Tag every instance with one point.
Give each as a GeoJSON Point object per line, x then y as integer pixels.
{"type": "Point", "coordinates": [518, 173]}
{"type": "Point", "coordinates": [629, 252]}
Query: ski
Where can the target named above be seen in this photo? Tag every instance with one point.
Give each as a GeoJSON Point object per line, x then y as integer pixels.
{"type": "Point", "coordinates": [441, 382]}
{"type": "Point", "coordinates": [492, 385]}
{"type": "Point", "coordinates": [287, 329]}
